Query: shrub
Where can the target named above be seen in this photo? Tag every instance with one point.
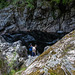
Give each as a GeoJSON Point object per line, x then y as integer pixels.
{"type": "Point", "coordinates": [30, 3]}
{"type": "Point", "coordinates": [61, 1]}
{"type": "Point", "coordinates": [3, 3]}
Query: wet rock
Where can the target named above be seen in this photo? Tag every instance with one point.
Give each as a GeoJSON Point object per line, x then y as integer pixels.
{"type": "Point", "coordinates": [41, 39]}
{"type": "Point", "coordinates": [47, 47]}
{"type": "Point", "coordinates": [28, 38]}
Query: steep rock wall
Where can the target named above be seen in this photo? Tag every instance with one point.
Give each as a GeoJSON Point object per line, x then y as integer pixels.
{"type": "Point", "coordinates": [59, 59]}
{"type": "Point", "coordinates": [13, 19]}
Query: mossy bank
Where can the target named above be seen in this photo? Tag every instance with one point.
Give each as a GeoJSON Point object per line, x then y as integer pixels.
{"type": "Point", "coordinates": [57, 60]}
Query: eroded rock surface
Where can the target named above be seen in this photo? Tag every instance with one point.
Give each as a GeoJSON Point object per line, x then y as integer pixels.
{"type": "Point", "coordinates": [29, 60]}
{"type": "Point", "coordinates": [59, 59]}
{"type": "Point", "coordinates": [13, 55]}
{"type": "Point", "coordinates": [14, 19]}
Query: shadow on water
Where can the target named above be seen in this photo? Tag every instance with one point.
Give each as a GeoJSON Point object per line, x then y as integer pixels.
{"type": "Point", "coordinates": [41, 39]}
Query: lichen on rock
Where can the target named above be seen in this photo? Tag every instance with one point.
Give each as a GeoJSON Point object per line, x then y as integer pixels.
{"type": "Point", "coordinates": [12, 56]}
{"type": "Point", "coordinates": [59, 59]}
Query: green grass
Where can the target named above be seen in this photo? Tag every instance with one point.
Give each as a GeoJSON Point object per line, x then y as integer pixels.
{"type": "Point", "coordinates": [13, 72]}
{"type": "Point", "coordinates": [53, 74]}
{"type": "Point", "coordinates": [29, 3]}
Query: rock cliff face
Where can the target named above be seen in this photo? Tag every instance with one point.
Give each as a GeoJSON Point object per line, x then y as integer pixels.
{"type": "Point", "coordinates": [27, 25]}
{"type": "Point", "coordinates": [11, 55]}
{"type": "Point", "coordinates": [42, 39]}
{"type": "Point", "coordinates": [20, 19]}
{"type": "Point", "coordinates": [59, 59]}
{"type": "Point", "coordinates": [41, 18]}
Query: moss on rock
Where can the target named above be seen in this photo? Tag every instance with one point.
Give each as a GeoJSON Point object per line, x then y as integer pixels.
{"type": "Point", "coordinates": [57, 60]}
{"type": "Point", "coordinates": [57, 71]}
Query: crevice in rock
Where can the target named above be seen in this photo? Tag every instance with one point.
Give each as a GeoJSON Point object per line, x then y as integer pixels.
{"type": "Point", "coordinates": [41, 39]}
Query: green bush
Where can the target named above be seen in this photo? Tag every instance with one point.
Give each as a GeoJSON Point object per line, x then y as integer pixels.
{"type": "Point", "coordinates": [3, 3]}
{"type": "Point", "coordinates": [61, 1]}
{"type": "Point", "coordinates": [12, 72]}
{"type": "Point", "coordinates": [30, 3]}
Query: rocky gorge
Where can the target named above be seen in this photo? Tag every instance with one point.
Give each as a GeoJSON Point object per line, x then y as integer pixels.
{"type": "Point", "coordinates": [59, 59]}
{"type": "Point", "coordinates": [44, 26]}
{"type": "Point", "coordinates": [14, 19]}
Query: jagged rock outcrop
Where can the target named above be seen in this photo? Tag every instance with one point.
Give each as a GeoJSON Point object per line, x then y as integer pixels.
{"type": "Point", "coordinates": [41, 39]}
{"type": "Point", "coordinates": [13, 55]}
{"type": "Point", "coordinates": [29, 60]}
{"type": "Point", "coordinates": [41, 18]}
{"type": "Point", "coordinates": [20, 19]}
{"type": "Point", "coordinates": [59, 59]}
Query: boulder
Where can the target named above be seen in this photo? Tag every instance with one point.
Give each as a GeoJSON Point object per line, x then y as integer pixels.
{"type": "Point", "coordinates": [11, 53]}
{"type": "Point", "coordinates": [59, 59]}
